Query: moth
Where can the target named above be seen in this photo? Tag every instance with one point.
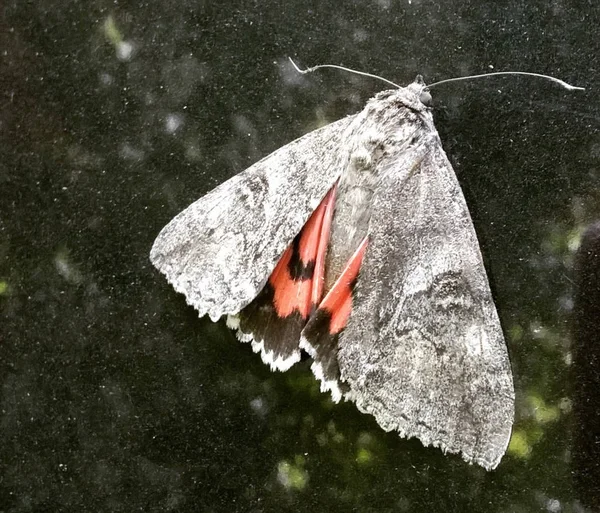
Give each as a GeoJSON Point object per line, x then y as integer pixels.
{"type": "Point", "coordinates": [354, 244]}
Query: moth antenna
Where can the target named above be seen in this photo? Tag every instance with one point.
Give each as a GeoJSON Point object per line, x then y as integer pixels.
{"type": "Point", "coordinates": [314, 68]}
{"type": "Point", "coordinates": [569, 87]}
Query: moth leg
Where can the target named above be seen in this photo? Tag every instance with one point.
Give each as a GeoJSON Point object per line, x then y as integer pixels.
{"type": "Point", "coordinates": [273, 321]}
{"type": "Point", "coordinates": [321, 334]}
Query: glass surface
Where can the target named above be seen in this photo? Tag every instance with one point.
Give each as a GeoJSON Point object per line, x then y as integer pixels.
{"type": "Point", "coordinates": [114, 116]}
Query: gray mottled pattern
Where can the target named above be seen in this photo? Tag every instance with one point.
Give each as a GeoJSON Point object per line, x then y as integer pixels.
{"type": "Point", "coordinates": [220, 251]}
{"type": "Point", "coordinates": [423, 350]}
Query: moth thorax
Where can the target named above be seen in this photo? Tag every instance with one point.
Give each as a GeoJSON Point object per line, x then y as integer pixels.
{"type": "Point", "coordinates": [368, 152]}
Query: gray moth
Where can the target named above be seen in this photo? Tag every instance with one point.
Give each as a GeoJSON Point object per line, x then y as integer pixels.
{"type": "Point", "coordinates": [354, 244]}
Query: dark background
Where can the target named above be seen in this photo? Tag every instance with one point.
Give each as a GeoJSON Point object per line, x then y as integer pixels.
{"type": "Point", "coordinates": [116, 115]}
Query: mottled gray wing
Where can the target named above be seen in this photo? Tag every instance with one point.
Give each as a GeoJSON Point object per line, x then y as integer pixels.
{"type": "Point", "coordinates": [423, 350]}
{"type": "Point", "coordinates": [220, 251]}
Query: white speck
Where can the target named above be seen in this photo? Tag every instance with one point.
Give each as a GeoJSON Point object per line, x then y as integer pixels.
{"type": "Point", "coordinates": [259, 406]}
{"type": "Point", "coordinates": [173, 122]}
{"type": "Point", "coordinates": [553, 506]}
{"type": "Point", "coordinates": [124, 51]}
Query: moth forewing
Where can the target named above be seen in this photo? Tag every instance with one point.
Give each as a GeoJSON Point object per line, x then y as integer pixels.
{"type": "Point", "coordinates": [423, 350]}
{"type": "Point", "coordinates": [220, 250]}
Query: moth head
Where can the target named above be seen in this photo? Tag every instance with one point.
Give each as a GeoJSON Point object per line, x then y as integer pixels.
{"type": "Point", "coordinates": [415, 96]}
{"type": "Point", "coordinates": [421, 90]}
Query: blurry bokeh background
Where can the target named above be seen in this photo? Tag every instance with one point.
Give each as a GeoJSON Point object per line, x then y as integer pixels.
{"type": "Point", "coordinates": [115, 115]}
